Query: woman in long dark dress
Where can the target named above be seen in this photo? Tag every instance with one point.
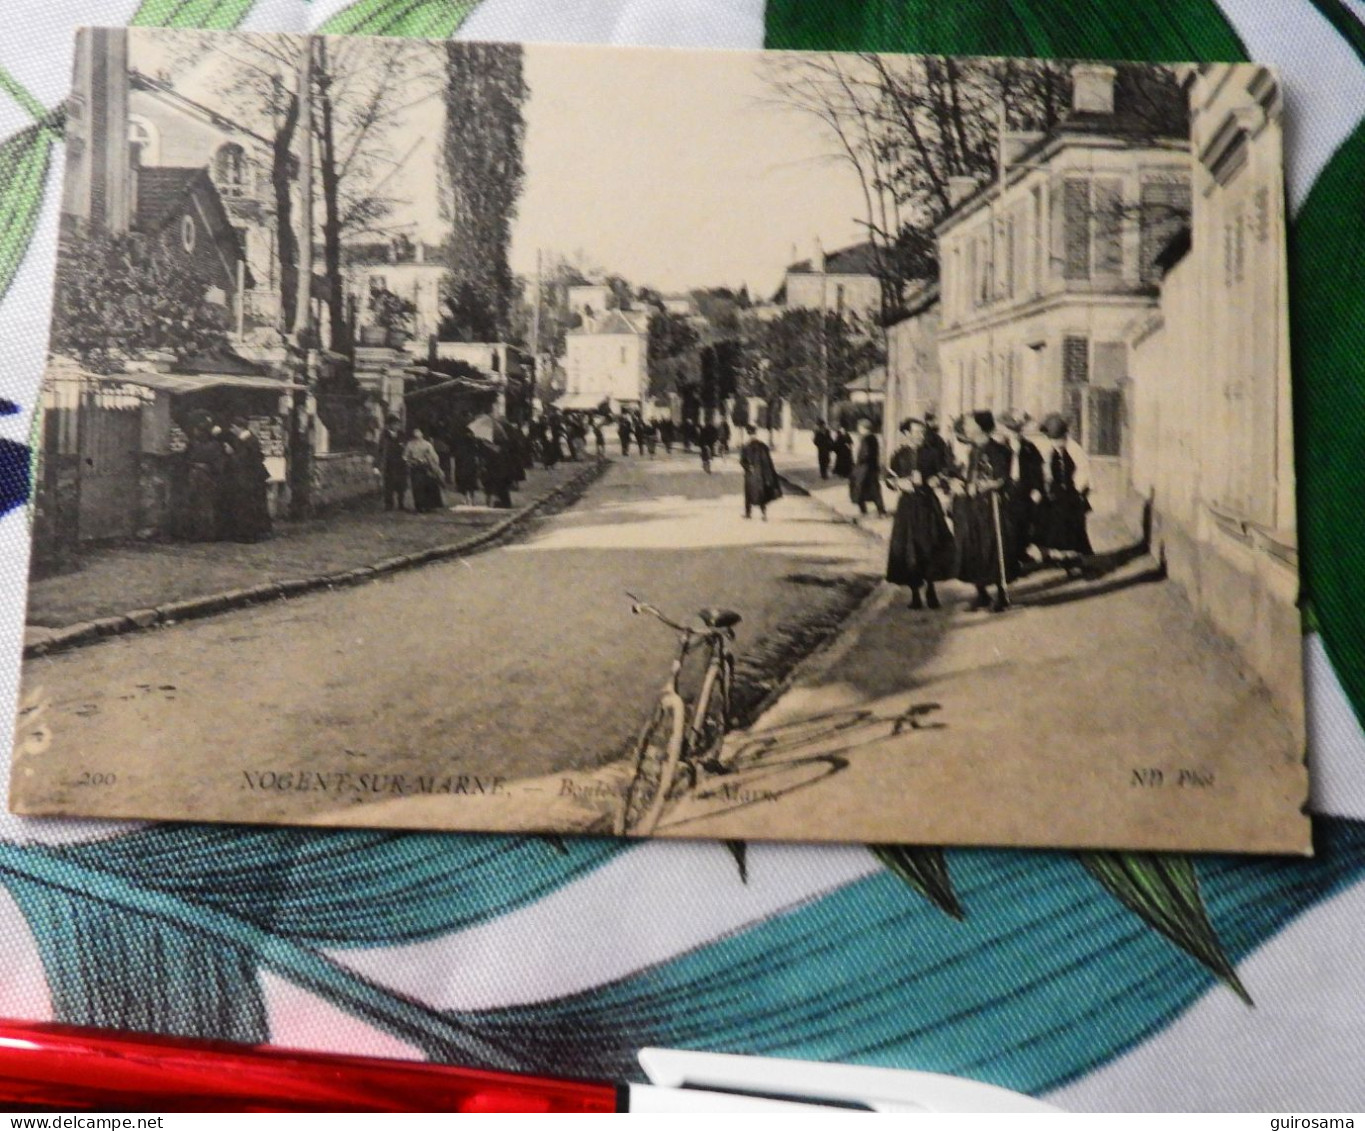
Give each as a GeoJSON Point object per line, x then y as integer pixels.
{"type": "Point", "coordinates": [464, 458]}
{"type": "Point", "coordinates": [921, 550]}
{"type": "Point", "coordinates": [247, 517]}
{"type": "Point", "coordinates": [204, 466]}
{"type": "Point", "coordinates": [982, 525]}
{"type": "Point", "coordinates": [1062, 530]}
{"type": "Point", "coordinates": [424, 468]}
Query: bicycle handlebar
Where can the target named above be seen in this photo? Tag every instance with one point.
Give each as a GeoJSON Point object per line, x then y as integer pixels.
{"type": "Point", "coordinates": [641, 607]}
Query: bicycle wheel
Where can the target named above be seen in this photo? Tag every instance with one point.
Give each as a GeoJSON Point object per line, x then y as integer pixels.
{"type": "Point", "coordinates": [713, 707]}
{"type": "Point", "coordinates": [657, 754]}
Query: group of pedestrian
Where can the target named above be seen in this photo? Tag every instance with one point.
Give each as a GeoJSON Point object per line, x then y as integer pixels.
{"type": "Point", "coordinates": [413, 460]}
{"type": "Point", "coordinates": [222, 488]}
{"type": "Point", "coordinates": [1005, 495]}
{"type": "Point", "coordinates": [834, 451]}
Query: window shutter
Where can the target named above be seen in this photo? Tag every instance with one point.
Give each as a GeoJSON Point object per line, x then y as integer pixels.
{"type": "Point", "coordinates": [1164, 210]}
{"type": "Point", "coordinates": [1076, 230]}
{"type": "Point", "coordinates": [1075, 360]}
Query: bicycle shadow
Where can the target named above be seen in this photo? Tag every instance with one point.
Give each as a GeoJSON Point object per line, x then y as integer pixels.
{"type": "Point", "coordinates": [765, 766]}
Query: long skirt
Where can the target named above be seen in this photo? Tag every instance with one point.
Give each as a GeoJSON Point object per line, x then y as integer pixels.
{"type": "Point", "coordinates": [921, 544]}
{"type": "Point", "coordinates": [426, 490]}
{"type": "Point", "coordinates": [1061, 524]}
{"type": "Point", "coordinates": [199, 521]}
{"type": "Point", "coordinates": [978, 548]}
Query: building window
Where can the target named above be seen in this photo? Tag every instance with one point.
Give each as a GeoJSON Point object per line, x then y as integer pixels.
{"type": "Point", "coordinates": [1039, 239]}
{"type": "Point", "coordinates": [1164, 209]}
{"type": "Point", "coordinates": [142, 142]}
{"type": "Point", "coordinates": [1108, 227]}
{"type": "Point", "coordinates": [189, 235]}
{"type": "Point", "coordinates": [232, 171]}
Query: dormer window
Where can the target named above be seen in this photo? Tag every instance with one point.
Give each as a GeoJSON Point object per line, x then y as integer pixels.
{"type": "Point", "coordinates": [232, 171]}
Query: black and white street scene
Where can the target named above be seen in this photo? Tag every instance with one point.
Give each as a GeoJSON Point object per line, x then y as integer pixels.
{"type": "Point", "coordinates": [744, 445]}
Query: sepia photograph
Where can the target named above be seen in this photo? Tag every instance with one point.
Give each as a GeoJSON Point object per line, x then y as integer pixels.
{"type": "Point", "coordinates": [639, 442]}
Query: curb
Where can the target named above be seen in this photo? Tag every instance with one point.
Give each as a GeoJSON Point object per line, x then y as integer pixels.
{"type": "Point", "coordinates": [194, 608]}
{"type": "Point", "coordinates": [824, 655]}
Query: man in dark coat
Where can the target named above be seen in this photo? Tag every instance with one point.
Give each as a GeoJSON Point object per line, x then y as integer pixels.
{"type": "Point", "coordinates": [624, 431]}
{"type": "Point", "coordinates": [761, 485]}
{"type": "Point", "coordinates": [393, 469]}
{"type": "Point", "coordinates": [706, 442]}
{"type": "Point", "coordinates": [842, 447]}
{"type": "Point", "coordinates": [865, 481]}
{"type": "Point", "coordinates": [824, 448]}
{"type": "Point", "coordinates": [666, 434]}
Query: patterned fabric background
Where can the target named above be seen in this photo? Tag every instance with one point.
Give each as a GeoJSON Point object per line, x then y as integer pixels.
{"type": "Point", "coordinates": [1097, 981]}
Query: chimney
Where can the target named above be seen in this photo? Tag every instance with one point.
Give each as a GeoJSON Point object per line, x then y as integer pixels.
{"type": "Point", "coordinates": [1093, 88]}
{"type": "Point", "coordinates": [959, 188]}
{"type": "Point", "coordinates": [818, 262]}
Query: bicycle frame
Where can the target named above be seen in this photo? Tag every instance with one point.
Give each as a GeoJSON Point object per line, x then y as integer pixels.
{"type": "Point", "coordinates": [687, 738]}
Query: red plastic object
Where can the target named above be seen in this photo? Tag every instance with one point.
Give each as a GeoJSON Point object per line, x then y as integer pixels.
{"type": "Point", "coordinates": [66, 1068]}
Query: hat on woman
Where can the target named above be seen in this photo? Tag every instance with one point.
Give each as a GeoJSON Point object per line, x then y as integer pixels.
{"type": "Point", "coordinates": [1015, 422]}
{"type": "Point", "coordinates": [985, 420]}
{"type": "Point", "coordinates": [1054, 426]}
{"type": "Point", "coordinates": [909, 422]}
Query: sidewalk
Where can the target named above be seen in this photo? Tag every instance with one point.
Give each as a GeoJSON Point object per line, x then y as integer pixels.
{"type": "Point", "coordinates": [1037, 722]}
{"type": "Point", "coordinates": [140, 585]}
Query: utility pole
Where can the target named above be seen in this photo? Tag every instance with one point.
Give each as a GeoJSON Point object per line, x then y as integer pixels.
{"type": "Point", "coordinates": [301, 448]}
{"type": "Point", "coordinates": [535, 325]}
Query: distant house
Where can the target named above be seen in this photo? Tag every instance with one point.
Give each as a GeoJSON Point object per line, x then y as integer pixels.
{"type": "Point", "coordinates": [1043, 268]}
{"type": "Point", "coordinates": [605, 359]}
{"type": "Point", "coordinates": [409, 269]}
{"type": "Point", "coordinates": [845, 280]}
{"type": "Point", "coordinates": [181, 210]}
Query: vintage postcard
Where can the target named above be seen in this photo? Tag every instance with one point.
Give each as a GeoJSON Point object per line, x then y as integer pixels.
{"type": "Point", "coordinates": [536, 439]}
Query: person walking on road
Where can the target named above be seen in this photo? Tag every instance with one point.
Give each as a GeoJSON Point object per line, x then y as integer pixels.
{"type": "Point", "coordinates": [706, 444]}
{"type": "Point", "coordinates": [761, 485]}
{"type": "Point", "coordinates": [842, 447]}
{"type": "Point", "coordinates": [666, 434]}
{"type": "Point", "coordinates": [599, 437]}
{"type": "Point", "coordinates": [921, 550]}
{"type": "Point", "coordinates": [865, 481]}
{"type": "Point", "coordinates": [393, 469]}
{"type": "Point", "coordinates": [824, 448]}
{"type": "Point", "coordinates": [424, 468]}
{"type": "Point", "coordinates": [623, 431]}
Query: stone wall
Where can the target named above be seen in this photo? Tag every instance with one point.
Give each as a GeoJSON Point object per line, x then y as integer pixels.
{"type": "Point", "coordinates": [342, 477]}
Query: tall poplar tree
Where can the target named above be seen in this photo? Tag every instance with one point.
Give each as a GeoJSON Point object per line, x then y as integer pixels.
{"type": "Point", "coordinates": [484, 136]}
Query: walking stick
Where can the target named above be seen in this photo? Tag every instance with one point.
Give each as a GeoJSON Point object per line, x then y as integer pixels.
{"type": "Point", "coordinates": [999, 544]}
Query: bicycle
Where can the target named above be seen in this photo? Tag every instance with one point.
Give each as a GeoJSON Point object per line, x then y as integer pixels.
{"type": "Point", "coordinates": [670, 740]}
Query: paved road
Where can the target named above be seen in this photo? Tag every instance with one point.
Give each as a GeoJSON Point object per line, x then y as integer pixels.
{"type": "Point", "coordinates": [420, 698]}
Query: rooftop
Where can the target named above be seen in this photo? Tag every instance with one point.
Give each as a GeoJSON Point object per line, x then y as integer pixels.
{"type": "Point", "coordinates": [858, 259]}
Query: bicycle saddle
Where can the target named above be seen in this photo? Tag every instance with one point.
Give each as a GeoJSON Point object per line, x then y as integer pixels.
{"type": "Point", "coordinates": [719, 618]}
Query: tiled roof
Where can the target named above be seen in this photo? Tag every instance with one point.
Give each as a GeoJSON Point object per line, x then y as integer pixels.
{"type": "Point", "coordinates": [161, 192]}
